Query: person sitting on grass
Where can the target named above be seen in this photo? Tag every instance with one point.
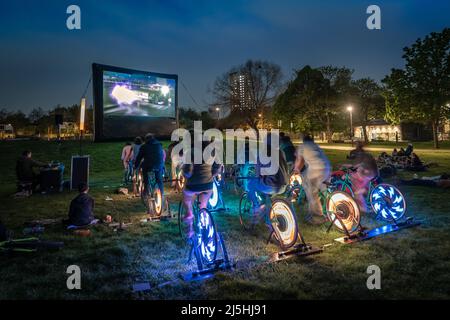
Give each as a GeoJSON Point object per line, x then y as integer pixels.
{"type": "Point", "coordinates": [81, 210]}
{"type": "Point", "coordinates": [394, 152]}
{"type": "Point", "coordinates": [25, 170]}
{"type": "Point", "coordinates": [409, 150]}
{"type": "Point", "coordinates": [199, 183]}
{"type": "Point", "coordinates": [415, 164]}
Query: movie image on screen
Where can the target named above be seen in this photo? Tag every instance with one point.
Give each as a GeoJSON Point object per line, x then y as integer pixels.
{"type": "Point", "coordinates": [137, 95]}
{"type": "Point", "coordinates": [130, 103]}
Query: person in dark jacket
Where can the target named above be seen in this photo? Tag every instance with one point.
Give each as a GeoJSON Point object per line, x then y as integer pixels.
{"type": "Point", "coordinates": [288, 149]}
{"type": "Point", "coordinates": [199, 183]}
{"type": "Point", "coordinates": [409, 150]}
{"type": "Point", "coordinates": [152, 155]}
{"type": "Point", "coordinates": [25, 169]}
{"type": "Point", "coordinates": [81, 211]}
{"type": "Point", "coordinates": [268, 184]}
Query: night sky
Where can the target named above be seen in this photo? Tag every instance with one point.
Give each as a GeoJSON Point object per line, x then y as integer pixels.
{"type": "Point", "coordinates": [42, 63]}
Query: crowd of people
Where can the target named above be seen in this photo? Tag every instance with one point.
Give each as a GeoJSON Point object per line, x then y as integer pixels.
{"type": "Point", "coordinates": [405, 159]}
{"type": "Point", "coordinates": [308, 159]}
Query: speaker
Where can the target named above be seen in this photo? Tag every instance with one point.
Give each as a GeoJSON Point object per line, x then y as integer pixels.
{"type": "Point", "coordinates": [58, 119]}
{"type": "Point", "coordinates": [79, 171]}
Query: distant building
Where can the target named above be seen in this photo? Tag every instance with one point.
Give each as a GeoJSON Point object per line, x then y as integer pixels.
{"type": "Point", "coordinates": [6, 131]}
{"type": "Point", "coordinates": [240, 92]}
{"type": "Point", "coordinates": [380, 130]}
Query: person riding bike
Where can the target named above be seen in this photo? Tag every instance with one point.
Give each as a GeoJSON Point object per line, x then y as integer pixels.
{"type": "Point", "coordinates": [152, 156]}
{"type": "Point", "coordinates": [136, 147]}
{"type": "Point", "coordinates": [288, 149]}
{"type": "Point", "coordinates": [365, 170]}
{"type": "Point", "coordinates": [315, 169]}
{"type": "Point", "coordinates": [267, 184]}
{"type": "Point", "coordinates": [199, 183]}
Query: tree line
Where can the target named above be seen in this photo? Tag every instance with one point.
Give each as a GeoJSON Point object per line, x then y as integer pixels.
{"type": "Point", "coordinates": [314, 100]}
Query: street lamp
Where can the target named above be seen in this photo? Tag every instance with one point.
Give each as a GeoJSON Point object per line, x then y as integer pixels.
{"type": "Point", "coordinates": [350, 110]}
{"type": "Point", "coordinates": [218, 113]}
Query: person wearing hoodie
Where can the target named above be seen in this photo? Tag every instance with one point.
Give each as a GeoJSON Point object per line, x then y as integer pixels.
{"type": "Point", "coordinates": [81, 210]}
{"type": "Point", "coordinates": [25, 169]}
{"type": "Point", "coordinates": [152, 156]}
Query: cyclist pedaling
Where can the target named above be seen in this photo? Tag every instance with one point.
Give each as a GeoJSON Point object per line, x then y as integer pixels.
{"type": "Point", "coordinates": [365, 169]}
{"type": "Point", "coordinates": [152, 155]}
{"type": "Point", "coordinates": [315, 169]}
{"type": "Point", "coordinates": [199, 184]}
{"type": "Point", "coordinates": [267, 184]}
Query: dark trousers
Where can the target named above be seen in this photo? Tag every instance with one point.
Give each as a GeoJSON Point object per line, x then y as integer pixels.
{"type": "Point", "coordinates": [158, 178]}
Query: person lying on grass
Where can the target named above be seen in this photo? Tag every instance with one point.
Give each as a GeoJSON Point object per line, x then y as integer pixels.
{"type": "Point", "coordinates": [81, 211]}
{"type": "Point", "coordinates": [442, 181]}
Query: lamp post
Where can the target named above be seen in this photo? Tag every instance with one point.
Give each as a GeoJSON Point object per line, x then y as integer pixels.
{"type": "Point", "coordinates": [261, 120]}
{"type": "Point", "coordinates": [350, 110]}
{"type": "Point", "coordinates": [218, 113]}
{"type": "Point", "coordinates": [82, 114]}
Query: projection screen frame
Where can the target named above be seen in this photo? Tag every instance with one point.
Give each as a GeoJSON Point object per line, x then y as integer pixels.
{"type": "Point", "coordinates": [97, 88]}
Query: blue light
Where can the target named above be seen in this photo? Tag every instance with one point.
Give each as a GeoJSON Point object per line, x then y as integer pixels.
{"type": "Point", "coordinates": [388, 202]}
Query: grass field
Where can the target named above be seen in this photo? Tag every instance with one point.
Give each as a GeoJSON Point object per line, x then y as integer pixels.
{"type": "Point", "coordinates": [414, 263]}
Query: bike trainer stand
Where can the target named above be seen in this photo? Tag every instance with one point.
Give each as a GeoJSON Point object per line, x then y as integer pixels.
{"type": "Point", "coordinates": [361, 234]}
{"type": "Point", "coordinates": [301, 249]}
{"type": "Point", "coordinates": [165, 215]}
{"type": "Point", "coordinates": [206, 271]}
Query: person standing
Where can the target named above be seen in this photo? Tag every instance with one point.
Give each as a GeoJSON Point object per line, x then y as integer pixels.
{"type": "Point", "coordinates": [315, 168]}
{"type": "Point", "coordinates": [126, 157]}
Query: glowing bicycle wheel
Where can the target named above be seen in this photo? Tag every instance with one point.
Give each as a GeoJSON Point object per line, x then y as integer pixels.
{"type": "Point", "coordinates": [295, 180]}
{"type": "Point", "coordinates": [343, 211]}
{"type": "Point", "coordinates": [246, 212]}
{"type": "Point", "coordinates": [213, 202]}
{"type": "Point", "coordinates": [157, 202]}
{"type": "Point", "coordinates": [388, 202]}
{"type": "Point", "coordinates": [284, 223]}
{"type": "Point", "coordinates": [181, 181]}
{"type": "Point", "coordinates": [206, 236]}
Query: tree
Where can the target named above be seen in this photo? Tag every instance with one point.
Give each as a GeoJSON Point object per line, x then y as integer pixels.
{"type": "Point", "coordinates": [36, 114]}
{"type": "Point", "coordinates": [370, 102]}
{"type": "Point", "coordinates": [261, 81]}
{"type": "Point", "coordinates": [336, 96]}
{"type": "Point", "coordinates": [421, 91]}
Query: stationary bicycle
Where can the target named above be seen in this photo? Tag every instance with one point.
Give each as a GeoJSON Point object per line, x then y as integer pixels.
{"type": "Point", "coordinates": [151, 195]}
{"type": "Point", "coordinates": [206, 243]}
{"type": "Point", "coordinates": [281, 219]}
